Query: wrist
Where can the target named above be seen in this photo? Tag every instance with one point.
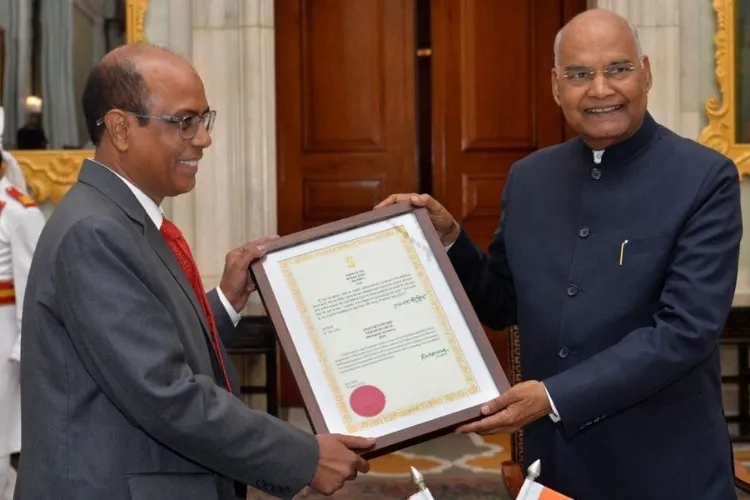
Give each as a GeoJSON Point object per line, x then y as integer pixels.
{"type": "Point", "coordinates": [451, 236]}
{"type": "Point", "coordinates": [234, 300]}
{"type": "Point", "coordinates": [237, 303]}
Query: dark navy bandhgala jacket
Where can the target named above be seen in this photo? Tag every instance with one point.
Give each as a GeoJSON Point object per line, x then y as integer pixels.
{"type": "Point", "coordinates": [620, 275]}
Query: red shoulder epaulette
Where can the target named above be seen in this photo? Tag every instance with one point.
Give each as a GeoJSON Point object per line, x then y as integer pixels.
{"type": "Point", "coordinates": [19, 195]}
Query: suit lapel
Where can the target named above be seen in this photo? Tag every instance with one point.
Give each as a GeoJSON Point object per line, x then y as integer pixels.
{"type": "Point", "coordinates": [157, 242]}
{"type": "Point", "coordinates": [101, 178]}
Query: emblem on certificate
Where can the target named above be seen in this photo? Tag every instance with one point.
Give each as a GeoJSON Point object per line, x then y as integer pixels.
{"type": "Point", "coordinates": [378, 331]}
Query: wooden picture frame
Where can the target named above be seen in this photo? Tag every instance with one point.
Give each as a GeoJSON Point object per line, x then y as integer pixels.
{"type": "Point", "coordinates": [302, 346]}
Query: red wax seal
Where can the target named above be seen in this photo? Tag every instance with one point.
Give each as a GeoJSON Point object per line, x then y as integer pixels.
{"type": "Point", "coordinates": [367, 401]}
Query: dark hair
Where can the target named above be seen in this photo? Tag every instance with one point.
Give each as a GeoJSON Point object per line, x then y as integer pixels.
{"type": "Point", "coordinates": [113, 85]}
{"type": "Point", "coordinates": [31, 136]}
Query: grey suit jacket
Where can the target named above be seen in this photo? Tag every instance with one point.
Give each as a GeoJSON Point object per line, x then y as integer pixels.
{"type": "Point", "coordinates": [119, 396]}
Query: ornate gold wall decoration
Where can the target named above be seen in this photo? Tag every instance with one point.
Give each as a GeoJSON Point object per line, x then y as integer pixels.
{"type": "Point", "coordinates": [721, 133]}
{"type": "Point", "coordinates": [50, 173]}
{"type": "Point", "coordinates": [135, 19]}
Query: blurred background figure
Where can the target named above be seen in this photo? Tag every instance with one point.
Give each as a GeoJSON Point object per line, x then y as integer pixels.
{"type": "Point", "coordinates": [21, 223]}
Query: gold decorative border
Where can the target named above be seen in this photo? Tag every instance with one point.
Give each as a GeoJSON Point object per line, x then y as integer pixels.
{"type": "Point", "coordinates": [341, 404]}
{"type": "Point", "coordinates": [51, 173]}
{"type": "Point", "coordinates": [721, 131]}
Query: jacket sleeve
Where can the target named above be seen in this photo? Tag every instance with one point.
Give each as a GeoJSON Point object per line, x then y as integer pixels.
{"type": "Point", "coordinates": [128, 343]}
{"type": "Point", "coordinates": [226, 318]}
{"type": "Point", "coordinates": [486, 278]}
{"type": "Point", "coordinates": [23, 238]}
{"type": "Point", "coordinates": [696, 299]}
{"type": "Point", "coordinates": [226, 327]}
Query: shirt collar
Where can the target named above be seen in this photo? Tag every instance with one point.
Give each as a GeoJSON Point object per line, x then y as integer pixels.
{"type": "Point", "coordinates": [153, 210]}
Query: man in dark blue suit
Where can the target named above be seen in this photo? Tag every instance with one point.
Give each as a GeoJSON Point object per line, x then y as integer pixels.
{"type": "Point", "coordinates": [617, 257]}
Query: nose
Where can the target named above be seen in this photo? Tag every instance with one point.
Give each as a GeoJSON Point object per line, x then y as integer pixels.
{"type": "Point", "coordinates": [600, 87]}
{"type": "Point", "coordinates": [202, 138]}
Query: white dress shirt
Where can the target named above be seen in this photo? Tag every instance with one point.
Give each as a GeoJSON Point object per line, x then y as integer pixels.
{"type": "Point", "coordinates": [157, 216]}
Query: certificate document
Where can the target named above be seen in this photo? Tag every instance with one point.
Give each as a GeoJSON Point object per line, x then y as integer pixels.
{"type": "Point", "coordinates": [378, 331]}
{"type": "Point", "coordinates": [371, 312]}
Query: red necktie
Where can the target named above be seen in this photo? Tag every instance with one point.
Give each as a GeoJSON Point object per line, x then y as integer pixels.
{"type": "Point", "coordinates": [181, 251]}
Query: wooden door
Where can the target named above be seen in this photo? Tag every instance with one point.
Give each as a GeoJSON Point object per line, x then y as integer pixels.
{"type": "Point", "coordinates": [492, 103]}
{"type": "Point", "coordinates": [345, 112]}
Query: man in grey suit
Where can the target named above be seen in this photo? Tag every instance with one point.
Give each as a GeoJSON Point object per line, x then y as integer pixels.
{"type": "Point", "coordinates": [130, 391]}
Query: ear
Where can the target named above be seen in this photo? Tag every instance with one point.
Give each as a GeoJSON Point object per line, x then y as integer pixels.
{"type": "Point", "coordinates": [118, 128]}
{"type": "Point", "coordinates": [647, 70]}
{"type": "Point", "coordinates": [555, 87]}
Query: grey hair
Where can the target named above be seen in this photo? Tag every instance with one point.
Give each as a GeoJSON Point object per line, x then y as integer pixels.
{"type": "Point", "coordinates": [633, 30]}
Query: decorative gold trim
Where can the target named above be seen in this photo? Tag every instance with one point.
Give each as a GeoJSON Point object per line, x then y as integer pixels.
{"type": "Point", "coordinates": [135, 19]}
{"type": "Point", "coordinates": [721, 131]}
{"type": "Point", "coordinates": [50, 173]}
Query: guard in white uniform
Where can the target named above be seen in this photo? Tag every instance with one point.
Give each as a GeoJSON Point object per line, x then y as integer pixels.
{"type": "Point", "coordinates": [21, 222]}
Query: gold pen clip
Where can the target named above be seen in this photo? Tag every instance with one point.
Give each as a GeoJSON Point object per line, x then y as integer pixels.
{"type": "Point", "coordinates": [622, 250]}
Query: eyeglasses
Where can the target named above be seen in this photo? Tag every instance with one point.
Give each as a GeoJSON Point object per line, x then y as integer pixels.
{"type": "Point", "coordinates": [584, 76]}
{"type": "Point", "coordinates": [187, 124]}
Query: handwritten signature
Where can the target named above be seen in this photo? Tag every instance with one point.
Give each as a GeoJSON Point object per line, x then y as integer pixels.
{"type": "Point", "coordinates": [411, 300]}
{"type": "Point", "coordinates": [435, 354]}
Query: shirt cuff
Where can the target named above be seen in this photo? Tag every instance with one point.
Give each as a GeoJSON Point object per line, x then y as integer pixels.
{"type": "Point", "coordinates": [15, 353]}
{"type": "Point", "coordinates": [234, 315]}
{"type": "Point", "coordinates": [554, 415]}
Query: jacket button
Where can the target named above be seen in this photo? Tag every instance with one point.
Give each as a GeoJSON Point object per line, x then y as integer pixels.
{"type": "Point", "coordinates": [563, 353]}
{"type": "Point", "coordinates": [584, 232]}
{"type": "Point", "coordinates": [596, 174]}
{"type": "Point", "coordinates": [572, 291]}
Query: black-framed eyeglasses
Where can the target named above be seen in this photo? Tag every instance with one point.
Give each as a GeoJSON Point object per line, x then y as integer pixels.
{"type": "Point", "coordinates": [584, 76]}
{"type": "Point", "coordinates": [187, 124]}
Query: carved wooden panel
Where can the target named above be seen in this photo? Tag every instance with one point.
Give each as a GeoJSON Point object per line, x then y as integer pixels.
{"type": "Point", "coordinates": [340, 65]}
{"type": "Point", "coordinates": [478, 192]}
{"type": "Point", "coordinates": [497, 108]}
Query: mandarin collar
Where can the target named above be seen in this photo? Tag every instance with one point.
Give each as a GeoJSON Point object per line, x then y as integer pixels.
{"type": "Point", "coordinates": [624, 151]}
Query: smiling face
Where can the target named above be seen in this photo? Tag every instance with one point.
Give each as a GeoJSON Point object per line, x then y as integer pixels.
{"type": "Point", "coordinates": [167, 162]}
{"type": "Point", "coordinates": [159, 155]}
{"type": "Point", "coordinates": [609, 106]}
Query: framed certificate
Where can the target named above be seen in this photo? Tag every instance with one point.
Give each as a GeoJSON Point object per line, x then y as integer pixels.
{"type": "Point", "coordinates": [379, 333]}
